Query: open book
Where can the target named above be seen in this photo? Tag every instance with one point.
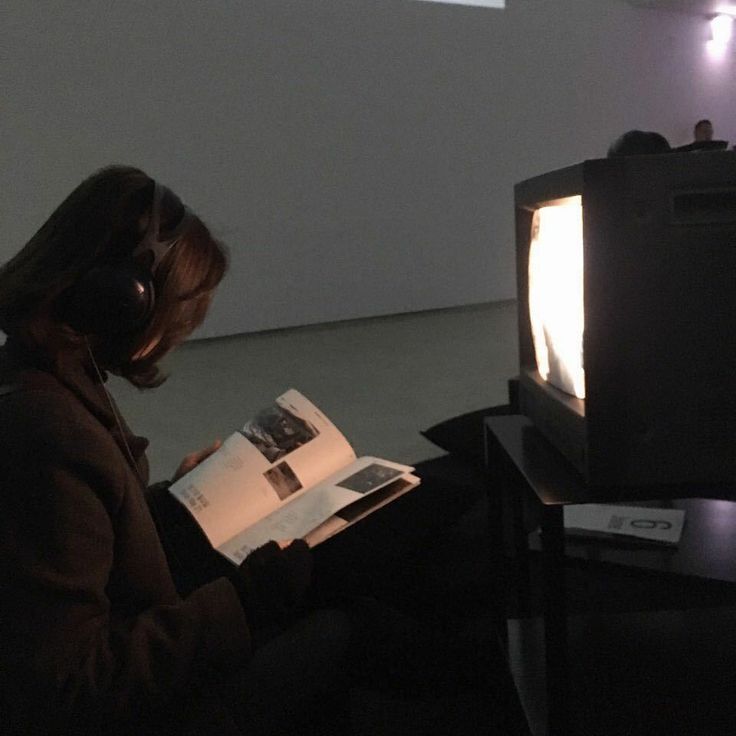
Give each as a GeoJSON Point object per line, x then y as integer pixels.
{"type": "Point", "coordinates": [288, 473]}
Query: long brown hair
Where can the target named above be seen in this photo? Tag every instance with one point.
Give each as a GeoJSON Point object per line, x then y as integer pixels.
{"type": "Point", "coordinates": [102, 221]}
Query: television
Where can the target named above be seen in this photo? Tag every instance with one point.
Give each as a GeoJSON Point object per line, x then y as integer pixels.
{"type": "Point", "coordinates": [626, 278]}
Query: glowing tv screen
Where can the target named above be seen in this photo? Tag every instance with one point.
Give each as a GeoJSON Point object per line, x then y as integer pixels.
{"type": "Point", "coordinates": [556, 307]}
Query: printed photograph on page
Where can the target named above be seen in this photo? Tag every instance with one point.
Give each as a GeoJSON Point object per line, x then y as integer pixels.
{"type": "Point", "coordinates": [276, 431]}
{"type": "Point", "coordinates": [301, 444]}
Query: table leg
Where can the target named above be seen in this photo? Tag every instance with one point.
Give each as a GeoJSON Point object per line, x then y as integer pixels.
{"type": "Point", "coordinates": [555, 622]}
{"type": "Point", "coordinates": [522, 557]}
{"type": "Point", "coordinates": [507, 522]}
{"type": "Point", "coordinates": [497, 501]}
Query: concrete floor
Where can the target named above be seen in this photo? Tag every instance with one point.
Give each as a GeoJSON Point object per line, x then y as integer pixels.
{"type": "Point", "coordinates": [380, 380]}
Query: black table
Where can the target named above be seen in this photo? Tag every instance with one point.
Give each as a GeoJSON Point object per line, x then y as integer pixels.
{"type": "Point", "coordinates": [534, 478]}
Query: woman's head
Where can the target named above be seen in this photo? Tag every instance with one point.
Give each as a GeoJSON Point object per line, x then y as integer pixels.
{"type": "Point", "coordinates": [98, 233]}
{"type": "Point", "coordinates": [639, 142]}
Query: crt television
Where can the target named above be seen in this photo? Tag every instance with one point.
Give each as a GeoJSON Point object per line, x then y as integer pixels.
{"type": "Point", "coordinates": [626, 277]}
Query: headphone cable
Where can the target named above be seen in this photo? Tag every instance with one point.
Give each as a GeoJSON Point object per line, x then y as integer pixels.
{"type": "Point", "coordinates": [154, 504]}
{"type": "Point", "coordinates": [116, 415]}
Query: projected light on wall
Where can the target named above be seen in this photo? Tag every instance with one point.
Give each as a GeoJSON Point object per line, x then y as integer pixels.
{"type": "Point", "coordinates": [480, 3]}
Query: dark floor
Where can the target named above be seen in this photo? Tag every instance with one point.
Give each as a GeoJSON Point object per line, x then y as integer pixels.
{"type": "Point", "coordinates": [651, 653]}
{"type": "Point", "coordinates": [427, 555]}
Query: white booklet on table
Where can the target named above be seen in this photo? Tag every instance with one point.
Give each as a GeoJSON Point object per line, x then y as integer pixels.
{"type": "Point", "coordinates": [288, 473]}
{"type": "Point", "coordinates": [640, 522]}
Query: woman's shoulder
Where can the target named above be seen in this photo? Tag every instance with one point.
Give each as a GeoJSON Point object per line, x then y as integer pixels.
{"type": "Point", "coordinates": [39, 413]}
{"type": "Point", "coordinates": [49, 442]}
{"type": "Point", "coordinates": [24, 382]}
{"type": "Point", "coordinates": [35, 394]}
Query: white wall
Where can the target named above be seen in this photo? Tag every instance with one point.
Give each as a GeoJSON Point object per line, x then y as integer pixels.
{"type": "Point", "coordinates": [357, 156]}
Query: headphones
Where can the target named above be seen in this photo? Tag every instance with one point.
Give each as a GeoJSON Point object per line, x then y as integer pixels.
{"type": "Point", "coordinates": [118, 298]}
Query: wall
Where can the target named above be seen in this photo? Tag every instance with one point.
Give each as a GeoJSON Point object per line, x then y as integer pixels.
{"type": "Point", "coordinates": [358, 157]}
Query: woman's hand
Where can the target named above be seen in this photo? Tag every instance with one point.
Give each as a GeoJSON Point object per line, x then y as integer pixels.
{"type": "Point", "coordinates": [272, 581]}
{"type": "Point", "coordinates": [195, 458]}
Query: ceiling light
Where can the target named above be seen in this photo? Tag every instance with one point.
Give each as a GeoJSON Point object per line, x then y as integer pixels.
{"type": "Point", "coordinates": [721, 28]}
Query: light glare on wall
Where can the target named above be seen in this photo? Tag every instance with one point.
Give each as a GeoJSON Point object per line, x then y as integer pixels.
{"type": "Point", "coordinates": [721, 30]}
{"type": "Point", "coordinates": [726, 10]}
{"type": "Point", "coordinates": [481, 3]}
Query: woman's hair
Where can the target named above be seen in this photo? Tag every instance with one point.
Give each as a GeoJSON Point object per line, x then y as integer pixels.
{"type": "Point", "coordinates": [99, 223]}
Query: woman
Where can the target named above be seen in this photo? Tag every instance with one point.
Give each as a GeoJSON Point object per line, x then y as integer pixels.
{"type": "Point", "coordinates": [96, 635]}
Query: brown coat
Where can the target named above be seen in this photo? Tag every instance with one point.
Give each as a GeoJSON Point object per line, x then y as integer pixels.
{"type": "Point", "coordinates": [93, 635]}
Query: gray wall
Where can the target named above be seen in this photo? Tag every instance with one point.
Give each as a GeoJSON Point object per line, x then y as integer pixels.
{"type": "Point", "coordinates": [358, 157]}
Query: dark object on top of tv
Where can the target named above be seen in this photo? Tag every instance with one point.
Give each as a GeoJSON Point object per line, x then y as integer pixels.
{"type": "Point", "coordinates": [639, 142]}
{"type": "Point", "coordinates": [703, 146]}
{"type": "Point", "coordinates": [644, 393]}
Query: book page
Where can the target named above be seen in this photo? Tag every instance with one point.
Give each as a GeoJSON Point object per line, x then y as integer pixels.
{"type": "Point", "coordinates": [361, 508]}
{"type": "Point", "coordinates": [228, 490]}
{"type": "Point", "coordinates": [284, 450]}
{"type": "Point", "coordinates": [303, 513]}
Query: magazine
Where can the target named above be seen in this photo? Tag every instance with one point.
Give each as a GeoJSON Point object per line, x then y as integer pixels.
{"type": "Point", "coordinates": [288, 473]}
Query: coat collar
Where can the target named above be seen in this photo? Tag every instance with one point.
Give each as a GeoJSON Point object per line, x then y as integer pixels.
{"type": "Point", "coordinates": [74, 370]}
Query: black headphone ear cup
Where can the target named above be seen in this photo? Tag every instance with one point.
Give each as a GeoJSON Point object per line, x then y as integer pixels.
{"type": "Point", "coordinates": [108, 300]}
